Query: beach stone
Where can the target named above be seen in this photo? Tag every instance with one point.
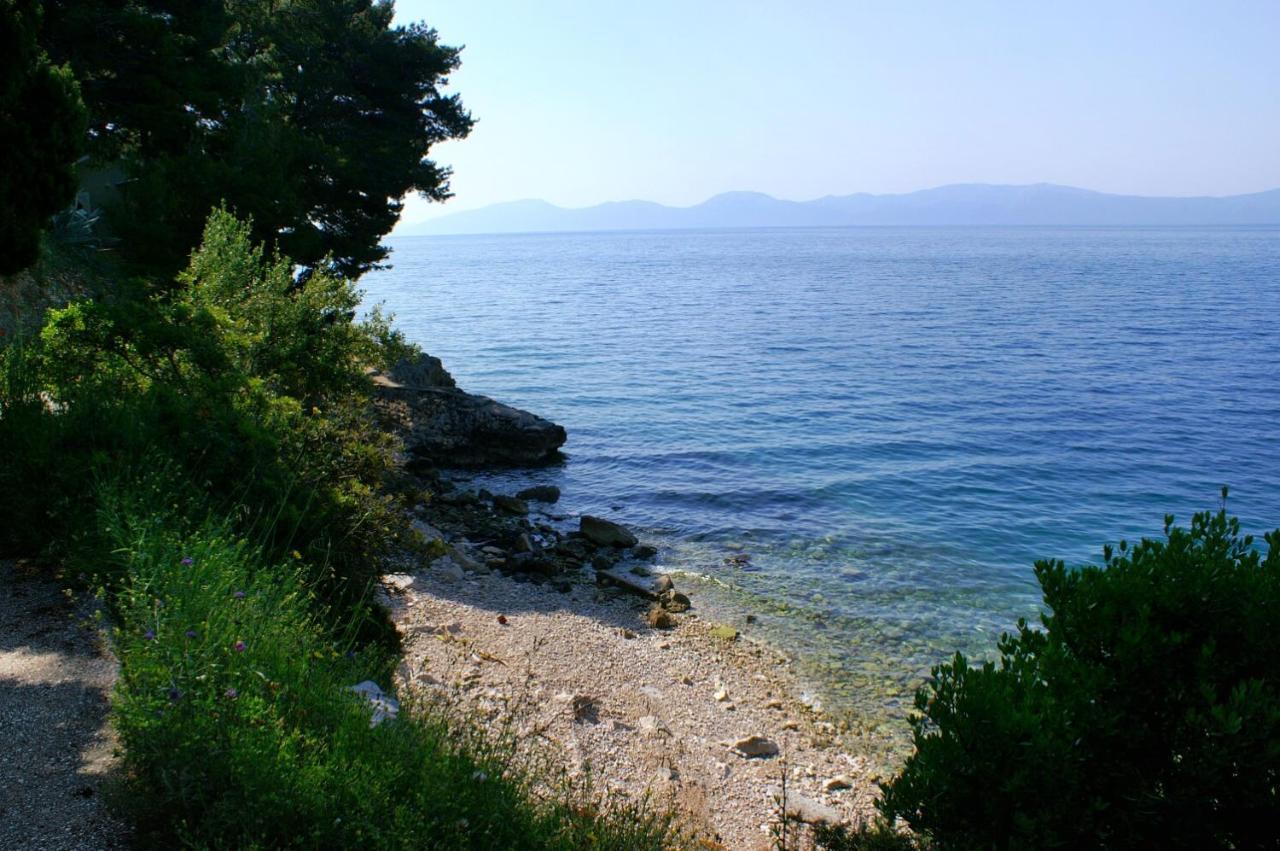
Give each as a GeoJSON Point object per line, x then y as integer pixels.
{"type": "Point", "coordinates": [540, 493]}
{"type": "Point", "coordinates": [674, 601]}
{"type": "Point", "coordinates": [571, 547]}
{"type": "Point", "coordinates": [645, 551]}
{"type": "Point", "coordinates": [606, 533]}
{"type": "Point", "coordinates": [754, 747]}
{"type": "Point", "coordinates": [724, 633]}
{"type": "Point", "coordinates": [650, 724]}
{"type": "Point", "coordinates": [458, 498]}
{"type": "Point", "coordinates": [382, 706]}
{"type": "Point", "coordinates": [659, 618]}
{"type": "Point", "coordinates": [523, 545]}
{"type": "Point", "coordinates": [399, 581]}
{"type": "Point", "coordinates": [510, 504]}
{"type": "Point", "coordinates": [808, 811]}
{"type": "Point", "coordinates": [465, 561]}
{"type": "Point", "coordinates": [583, 706]}
{"type": "Point", "coordinates": [663, 584]}
{"type": "Point", "coordinates": [837, 783]}
{"type": "Point", "coordinates": [427, 531]}
{"type": "Point", "coordinates": [449, 569]}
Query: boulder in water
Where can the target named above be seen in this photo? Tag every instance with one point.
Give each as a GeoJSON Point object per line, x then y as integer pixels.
{"type": "Point", "coordinates": [606, 533]}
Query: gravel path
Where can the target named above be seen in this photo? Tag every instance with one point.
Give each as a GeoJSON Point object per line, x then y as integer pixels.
{"type": "Point", "coordinates": [55, 680]}
{"type": "Point", "coordinates": [645, 710]}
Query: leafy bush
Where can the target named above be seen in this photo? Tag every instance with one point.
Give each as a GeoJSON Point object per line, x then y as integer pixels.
{"type": "Point", "coordinates": [254, 385]}
{"type": "Point", "coordinates": [1145, 713]}
{"type": "Point", "coordinates": [239, 729]}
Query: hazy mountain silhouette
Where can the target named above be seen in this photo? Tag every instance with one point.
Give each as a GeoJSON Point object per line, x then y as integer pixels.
{"type": "Point", "coordinates": [958, 204]}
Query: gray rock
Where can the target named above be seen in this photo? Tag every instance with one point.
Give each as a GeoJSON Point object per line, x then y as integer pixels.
{"type": "Point", "coordinates": [674, 601]}
{"type": "Point", "coordinates": [423, 371]}
{"type": "Point", "coordinates": [382, 706]}
{"type": "Point", "coordinates": [663, 584]}
{"type": "Point", "coordinates": [523, 544]}
{"type": "Point", "coordinates": [510, 504]}
{"type": "Point", "coordinates": [644, 551]}
{"type": "Point", "coordinates": [803, 809]}
{"type": "Point", "coordinates": [540, 493]}
{"type": "Point", "coordinates": [464, 559]}
{"type": "Point", "coordinates": [606, 533]}
{"type": "Point", "coordinates": [398, 581]}
{"type": "Point", "coordinates": [449, 569]}
{"type": "Point", "coordinates": [458, 498]}
{"type": "Point", "coordinates": [659, 618]}
{"type": "Point", "coordinates": [754, 747]}
{"type": "Point", "coordinates": [445, 426]}
{"type": "Point", "coordinates": [837, 783]}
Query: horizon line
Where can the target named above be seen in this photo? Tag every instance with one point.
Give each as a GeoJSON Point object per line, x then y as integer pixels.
{"type": "Point", "coordinates": [532, 200]}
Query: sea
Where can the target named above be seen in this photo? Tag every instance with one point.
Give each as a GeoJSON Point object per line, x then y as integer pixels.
{"type": "Point", "coordinates": [855, 443]}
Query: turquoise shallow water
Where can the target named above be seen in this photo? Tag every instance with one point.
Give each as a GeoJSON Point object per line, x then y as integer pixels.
{"type": "Point", "coordinates": [893, 423]}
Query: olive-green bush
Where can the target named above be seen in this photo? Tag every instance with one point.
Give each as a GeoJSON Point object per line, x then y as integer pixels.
{"type": "Point", "coordinates": [1142, 712]}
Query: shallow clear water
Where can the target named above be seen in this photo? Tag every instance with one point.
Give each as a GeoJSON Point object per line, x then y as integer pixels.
{"type": "Point", "coordinates": [894, 423]}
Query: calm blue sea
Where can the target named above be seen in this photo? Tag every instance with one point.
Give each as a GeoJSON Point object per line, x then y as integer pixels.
{"type": "Point", "coordinates": [893, 424]}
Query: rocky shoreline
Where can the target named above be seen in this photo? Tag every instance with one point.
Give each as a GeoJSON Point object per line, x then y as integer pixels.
{"type": "Point", "coordinates": [507, 602]}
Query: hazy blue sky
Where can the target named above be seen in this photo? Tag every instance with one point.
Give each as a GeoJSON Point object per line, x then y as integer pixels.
{"type": "Point", "coordinates": [583, 102]}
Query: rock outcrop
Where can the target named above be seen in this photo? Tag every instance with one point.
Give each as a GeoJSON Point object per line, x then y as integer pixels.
{"type": "Point", "coordinates": [446, 427]}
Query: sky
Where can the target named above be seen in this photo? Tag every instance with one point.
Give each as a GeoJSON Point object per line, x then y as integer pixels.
{"type": "Point", "coordinates": [583, 102]}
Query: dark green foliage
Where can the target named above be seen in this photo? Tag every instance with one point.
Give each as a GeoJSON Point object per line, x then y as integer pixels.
{"type": "Point", "coordinates": [1144, 714]}
{"type": "Point", "coordinates": [42, 124]}
{"type": "Point", "coordinates": [866, 837]}
{"type": "Point", "coordinates": [239, 729]}
{"type": "Point", "coordinates": [252, 386]}
{"type": "Point", "coordinates": [313, 118]}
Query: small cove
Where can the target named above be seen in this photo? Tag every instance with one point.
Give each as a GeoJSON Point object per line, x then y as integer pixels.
{"type": "Point", "coordinates": [864, 437]}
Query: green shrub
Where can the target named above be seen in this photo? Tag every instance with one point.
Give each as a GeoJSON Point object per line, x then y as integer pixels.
{"type": "Point", "coordinates": [254, 385]}
{"type": "Point", "coordinates": [1145, 713]}
{"type": "Point", "coordinates": [239, 729]}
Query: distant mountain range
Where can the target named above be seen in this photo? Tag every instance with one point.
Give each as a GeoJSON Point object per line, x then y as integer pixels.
{"type": "Point", "coordinates": [958, 204]}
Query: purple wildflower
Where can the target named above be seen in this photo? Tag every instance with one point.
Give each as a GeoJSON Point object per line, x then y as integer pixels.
{"type": "Point", "coordinates": [240, 646]}
{"type": "Point", "coordinates": [231, 694]}
{"type": "Point", "coordinates": [188, 561]}
{"type": "Point", "coordinates": [191, 633]}
{"type": "Point", "coordinates": [149, 635]}
{"type": "Point", "coordinates": [239, 595]}
{"type": "Point", "coordinates": [174, 695]}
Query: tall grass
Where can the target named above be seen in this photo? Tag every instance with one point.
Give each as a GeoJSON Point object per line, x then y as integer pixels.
{"type": "Point", "coordinates": [240, 731]}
